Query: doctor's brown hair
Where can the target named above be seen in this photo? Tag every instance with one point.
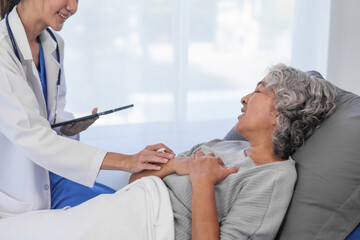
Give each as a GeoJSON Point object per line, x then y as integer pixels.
{"type": "Point", "coordinates": [6, 6]}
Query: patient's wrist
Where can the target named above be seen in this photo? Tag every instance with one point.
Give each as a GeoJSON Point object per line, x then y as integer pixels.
{"type": "Point", "coordinates": [170, 166]}
{"type": "Point", "coordinates": [181, 165]}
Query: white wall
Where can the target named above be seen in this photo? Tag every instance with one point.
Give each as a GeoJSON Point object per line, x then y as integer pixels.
{"type": "Point", "coordinates": [311, 35]}
{"type": "Point", "coordinates": [326, 38]}
{"type": "Point", "coordinates": [344, 45]}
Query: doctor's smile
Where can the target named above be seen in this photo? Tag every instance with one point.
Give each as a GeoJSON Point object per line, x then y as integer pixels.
{"type": "Point", "coordinates": [64, 16]}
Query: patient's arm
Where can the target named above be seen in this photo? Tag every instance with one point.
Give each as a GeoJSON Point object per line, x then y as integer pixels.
{"type": "Point", "coordinates": [205, 172]}
{"type": "Point", "coordinates": [179, 165]}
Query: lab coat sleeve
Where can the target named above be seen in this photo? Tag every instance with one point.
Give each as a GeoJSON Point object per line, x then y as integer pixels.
{"type": "Point", "coordinates": [22, 124]}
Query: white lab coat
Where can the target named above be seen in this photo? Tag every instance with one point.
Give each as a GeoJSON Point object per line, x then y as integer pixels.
{"type": "Point", "coordinates": [29, 148]}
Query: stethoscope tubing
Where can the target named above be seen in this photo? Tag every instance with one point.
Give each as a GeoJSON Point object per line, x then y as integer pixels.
{"type": "Point", "coordinates": [12, 39]}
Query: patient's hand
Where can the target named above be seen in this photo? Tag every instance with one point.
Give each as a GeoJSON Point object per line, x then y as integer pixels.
{"type": "Point", "coordinates": [208, 169]}
{"type": "Point", "coordinates": [178, 165]}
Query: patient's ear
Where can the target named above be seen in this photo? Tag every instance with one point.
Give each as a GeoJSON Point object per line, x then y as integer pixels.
{"type": "Point", "coordinates": [274, 115]}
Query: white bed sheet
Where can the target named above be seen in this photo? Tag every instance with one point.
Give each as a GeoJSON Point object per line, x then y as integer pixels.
{"type": "Point", "coordinates": [141, 210]}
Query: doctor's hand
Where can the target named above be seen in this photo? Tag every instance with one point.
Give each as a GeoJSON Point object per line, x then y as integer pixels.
{"type": "Point", "coordinates": [148, 158]}
{"type": "Point", "coordinates": [72, 129]}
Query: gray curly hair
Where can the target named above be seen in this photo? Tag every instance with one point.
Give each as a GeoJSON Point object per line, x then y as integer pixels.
{"type": "Point", "coordinates": [303, 101]}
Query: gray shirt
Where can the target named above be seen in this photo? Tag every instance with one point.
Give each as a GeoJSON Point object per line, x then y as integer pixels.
{"type": "Point", "coordinates": [250, 203]}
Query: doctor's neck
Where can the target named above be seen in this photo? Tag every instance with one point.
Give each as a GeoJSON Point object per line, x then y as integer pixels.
{"type": "Point", "coordinates": [31, 20]}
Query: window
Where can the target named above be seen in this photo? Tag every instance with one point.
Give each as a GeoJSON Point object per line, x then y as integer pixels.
{"type": "Point", "coordinates": [179, 60]}
{"type": "Point", "coordinates": [184, 64]}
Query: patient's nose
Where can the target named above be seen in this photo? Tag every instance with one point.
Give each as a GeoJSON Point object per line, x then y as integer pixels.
{"type": "Point", "coordinates": [244, 99]}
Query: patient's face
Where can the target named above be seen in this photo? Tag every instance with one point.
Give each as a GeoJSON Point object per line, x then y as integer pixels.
{"type": "Point", "coordinates": [258, 112]}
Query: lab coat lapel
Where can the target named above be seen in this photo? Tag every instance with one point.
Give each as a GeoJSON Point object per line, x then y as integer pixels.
{"type": "Point", "coordinates": [31, 72]}
{"type": "Point", "coordinates": [52, 67]}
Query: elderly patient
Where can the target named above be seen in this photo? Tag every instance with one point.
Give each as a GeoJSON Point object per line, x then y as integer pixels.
{"type": "Point", "coordinates": [241, 189]}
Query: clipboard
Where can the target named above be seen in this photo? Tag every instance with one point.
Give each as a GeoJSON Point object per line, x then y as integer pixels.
{"type": "Point", "coordinates": [91, 116]}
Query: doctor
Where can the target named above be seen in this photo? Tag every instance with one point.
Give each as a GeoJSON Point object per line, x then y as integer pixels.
{"type": "Point", "coordinates": [32, 96]}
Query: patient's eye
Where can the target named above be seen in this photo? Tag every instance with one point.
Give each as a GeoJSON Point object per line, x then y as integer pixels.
{"type": "Point", "coordinates": [257, 91]}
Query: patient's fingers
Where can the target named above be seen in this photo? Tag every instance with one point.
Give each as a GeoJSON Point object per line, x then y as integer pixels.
{"type": "Point", "coordinates": [210, 154]}
{"type": "Point", "coordinates": [221, 162]}
{"type": "Point", "coordinates": [208, 168]}
{"type": "Point", "coordinates": [199, 154]}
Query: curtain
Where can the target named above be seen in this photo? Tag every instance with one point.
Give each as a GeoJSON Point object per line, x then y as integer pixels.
{"type": "Point", "coordinates": [184, 64]}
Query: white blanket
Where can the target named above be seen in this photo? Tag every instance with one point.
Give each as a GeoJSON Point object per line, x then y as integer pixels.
{"type": "Point", "coordinates": [141, 210]}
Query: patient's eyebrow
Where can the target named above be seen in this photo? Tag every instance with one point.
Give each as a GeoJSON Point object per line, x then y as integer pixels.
{"type": "Point", "coordinates": [261, 83]}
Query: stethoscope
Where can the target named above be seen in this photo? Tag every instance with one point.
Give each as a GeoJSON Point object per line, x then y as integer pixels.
{"type": "Point", "coordinates": [57, 55]}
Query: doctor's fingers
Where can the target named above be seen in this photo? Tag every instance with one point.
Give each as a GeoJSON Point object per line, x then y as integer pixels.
{"type": "Point", "coordinates": [136, 167]}
{"type": "Point", "coordinates": [150, 162]}
{"type": "Point", "coordinates": [146, 156]}
{"type": "Point", "coordinates": [80, 126]}
{"type": "Point", "coordinates": [149, 166]}
{"type": "Point", "coordinates": [83, 125]}
{"type": "Point", "coordinates": [68, 130]}
{"type": "Point", "coordinates": [87, 123]}
{"type": "Point", "coordinates": [73, 129]}
{"type": "Point", "coordinates": [159, 146]}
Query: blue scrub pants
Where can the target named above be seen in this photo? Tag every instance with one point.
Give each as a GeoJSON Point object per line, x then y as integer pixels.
{"type": "Point", "coordinates": [65, 192]}
{"type": "Point", "coordinates": [355, 235]}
